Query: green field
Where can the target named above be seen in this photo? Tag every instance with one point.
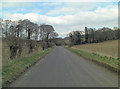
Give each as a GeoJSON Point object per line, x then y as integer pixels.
{"type": "Point", "coordinates": [15, 68]}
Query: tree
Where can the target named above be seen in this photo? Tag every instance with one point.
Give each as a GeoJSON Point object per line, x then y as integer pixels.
{"type": "Point", "coordinates": [30, 29]}
{"type": "Point", "coordinates": [7, 22]}
{"type": "Point", "coordinates": [36, 27]}
{"type": "Point", "coordinates": [1, 28]}
{"type": "Point", "coordinates": [26, 33]}
{"type": "Point", "coordinates": [25, 24]}
{"type": "Point", "coordinates": [12, 29]}
{"type": "Point", "coordinates": [75, 38]}
{"type": "Point", "coordinates": [19, 28]}
{"type": "Point", "coordinates": [46, 33]}
{"type": "Point", "coordinates": [71, 39]}
{"type": "Point", "coordinates": [91, 36]}
{"type": "Point", "coordinates": [86, 35]}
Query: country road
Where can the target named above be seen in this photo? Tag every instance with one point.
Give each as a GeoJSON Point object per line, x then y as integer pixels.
{"type": "Point", "coordinates": [62, 68]}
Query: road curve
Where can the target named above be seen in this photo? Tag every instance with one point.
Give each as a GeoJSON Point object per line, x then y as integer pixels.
{"type": "Point", "coordinates": [62, 68]}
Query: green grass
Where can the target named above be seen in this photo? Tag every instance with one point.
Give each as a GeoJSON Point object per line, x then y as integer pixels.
{"type": "Point", "coordinates": [109, 62]}
{"type": "Point", "coordinates": [14, 69]}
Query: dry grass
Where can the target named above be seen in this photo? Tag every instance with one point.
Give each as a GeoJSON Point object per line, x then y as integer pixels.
{"type": "Point", "coordinates": [108, 48]}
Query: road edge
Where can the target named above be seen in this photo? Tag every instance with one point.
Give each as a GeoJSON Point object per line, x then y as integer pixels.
{"type": "Point", "coordinates": [8, 83]}
{"type": "Point", "coordinates": [111, 68]}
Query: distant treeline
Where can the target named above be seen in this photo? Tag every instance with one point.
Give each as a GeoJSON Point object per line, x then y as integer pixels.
{"type": "Point", "coordinates": [25, 32]}
{"type": "Point", "coordinates": [91, 35]}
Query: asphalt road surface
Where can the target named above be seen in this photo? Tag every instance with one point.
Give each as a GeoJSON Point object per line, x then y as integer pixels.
{"type": "Point", "coordinates": [62, 68]}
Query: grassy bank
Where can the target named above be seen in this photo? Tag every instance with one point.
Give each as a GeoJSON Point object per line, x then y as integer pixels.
{"type": "Point", "coordinates": [109, 62]}
{"type": "Point", "coordinates": [14, 69]}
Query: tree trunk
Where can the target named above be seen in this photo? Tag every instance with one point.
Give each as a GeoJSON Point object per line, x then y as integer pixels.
{"type": "Point", "coordinates": [28, 33]}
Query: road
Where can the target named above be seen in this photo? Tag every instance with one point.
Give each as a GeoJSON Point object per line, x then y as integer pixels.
{"type": "Point", "coordinates": [62, 68]}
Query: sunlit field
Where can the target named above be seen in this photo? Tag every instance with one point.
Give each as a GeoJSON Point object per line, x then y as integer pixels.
{"type": "Point", "coordinates": [108, 48]}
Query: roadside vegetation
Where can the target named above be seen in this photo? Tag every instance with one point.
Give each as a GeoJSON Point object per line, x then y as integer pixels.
{"type": "Point", "coordinates": [17, 67]}
{"type": "Point", "coordinates": [25, 37]}
{"type": "Point", "coordinates": [23, 44]}
{"type": "Point", "coordinates": [109, 62]}
{"type": "Point", "coordinates": [99, 45]}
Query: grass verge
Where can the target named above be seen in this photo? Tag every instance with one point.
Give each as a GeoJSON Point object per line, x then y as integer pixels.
{"type": "Point", "coordinates": [108, 62]}
{"type": "Point", "coordinates": [14, 69]}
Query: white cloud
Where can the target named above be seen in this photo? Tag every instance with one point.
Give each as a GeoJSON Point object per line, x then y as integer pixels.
{"type": "Point", "coordinates": [51, 3]}
{"type": "Point", "coordinates": [15, 4]}
{"type": "Point", "coordinates": [64, 11]}
{"type": "Point", "coordinates": [76, 7]}
{"type": "Point", "coordinates": [64, 24]}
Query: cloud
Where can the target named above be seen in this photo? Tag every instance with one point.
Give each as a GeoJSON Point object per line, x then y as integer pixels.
{"type": "Point", "coordinates": [50, 3]}
{"type": "Point", "coordinates": [63, 11]}
{"type": "Point", "coordinates": [15, 4]}
{"type": "Point", "coordinates": [76, 7]}
{"type": "Point", "coordinates": [101, 17]}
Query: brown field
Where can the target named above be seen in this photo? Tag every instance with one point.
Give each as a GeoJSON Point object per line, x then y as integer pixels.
{"type": "Point", "coordinates": [108, 48]}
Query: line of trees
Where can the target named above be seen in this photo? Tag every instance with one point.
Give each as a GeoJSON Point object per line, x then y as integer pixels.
{"type": "Point", "coordinates": [91, 35]}
{"type": "Point", "coordinates": [22, 32]}
{"type": "Point", "coordinates": [27, 30]}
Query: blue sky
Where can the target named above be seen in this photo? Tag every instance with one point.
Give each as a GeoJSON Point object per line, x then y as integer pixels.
{"type": "Point", "coordinates": [64, 16]}
{"type": "Point", "coordinates": [44, 7]}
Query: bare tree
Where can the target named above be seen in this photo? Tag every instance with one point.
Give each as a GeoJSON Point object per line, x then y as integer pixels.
{"type": "Point", "coordinates": [1, 20]}
{"type": "Point", "coordinates": [17, 32]}
{"type": "Point", "coordinates": [36, 31]}
{"type": "Point", "coordinates": [46, 31]}
{"type": "Point", "coordinates": [7, 22]}
{"type": "Point", "coordinates": [86, 35]}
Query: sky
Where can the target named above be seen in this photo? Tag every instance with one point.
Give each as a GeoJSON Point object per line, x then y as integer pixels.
{"type": "Point", "coordinates": [64, 16]}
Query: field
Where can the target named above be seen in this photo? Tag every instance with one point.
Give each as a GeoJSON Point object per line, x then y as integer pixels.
{"type": "Point", "coordinates": [108, 48]}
